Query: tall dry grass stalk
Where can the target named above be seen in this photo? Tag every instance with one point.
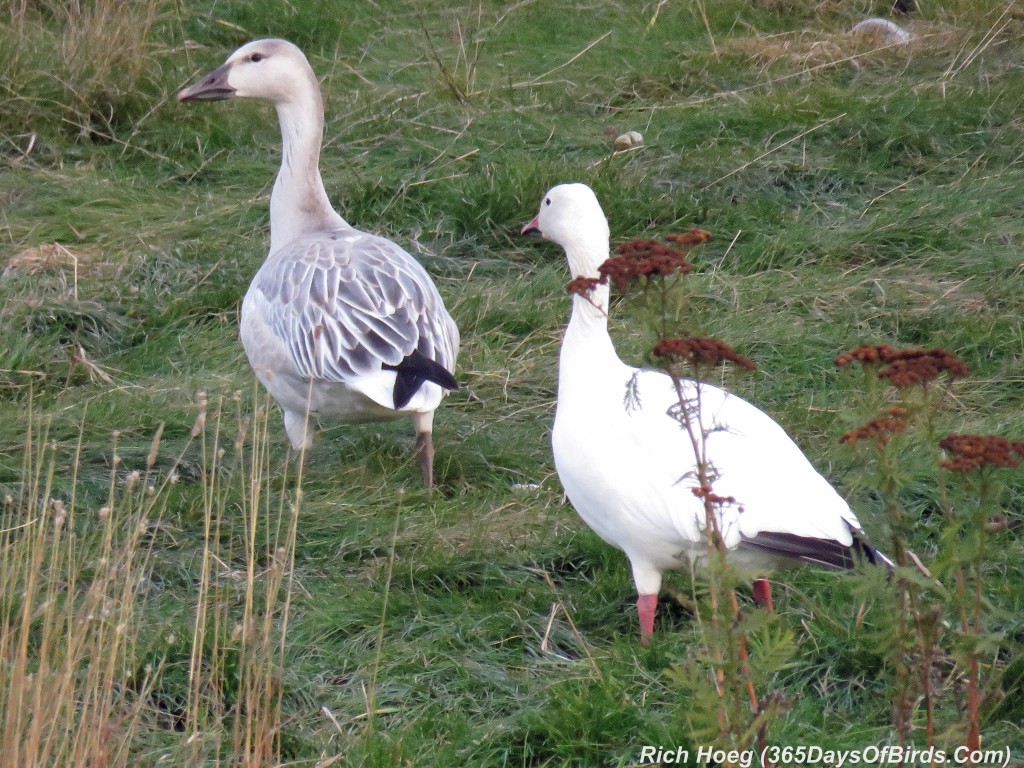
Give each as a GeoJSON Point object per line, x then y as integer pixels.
{"type": "Point", "coordinates": [237, 662]}
{"type": "Point", "coordinates": [75, 684]}
{"type": "Point", "coordinates": [70, 579]}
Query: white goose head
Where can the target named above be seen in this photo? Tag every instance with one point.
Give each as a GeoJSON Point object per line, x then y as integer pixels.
{"type": "Point", "coordinates": [274, 70]}
{"type": "Point", "coordinates": [277, 71]}
{"type": "Point", "coordinates": [571, 217]}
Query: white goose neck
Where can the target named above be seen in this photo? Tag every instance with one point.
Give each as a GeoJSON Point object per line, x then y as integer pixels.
{"type": "Point", "coordinates": [585, 257]}
{"type": "Point", "coordinates": [299, 204]}
{"type": "Point", "coordinates": [586, 344]}
{"type": "Point", "coordinates": [590, 311]}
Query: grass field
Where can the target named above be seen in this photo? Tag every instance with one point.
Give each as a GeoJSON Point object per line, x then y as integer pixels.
{"type": "Point", "coordinates": [172, 594]}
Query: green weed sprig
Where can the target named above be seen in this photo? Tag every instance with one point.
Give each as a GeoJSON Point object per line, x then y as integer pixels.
{"type": "Point", "coordinates": [736, 715]}
{"type": "Point", "coordinates": [919, 381]}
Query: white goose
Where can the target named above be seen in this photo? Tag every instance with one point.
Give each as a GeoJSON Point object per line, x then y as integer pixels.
{"type": "Point", "coordinates": [627, 466]}
{"type": "Point", "coordinates": [337, 322]}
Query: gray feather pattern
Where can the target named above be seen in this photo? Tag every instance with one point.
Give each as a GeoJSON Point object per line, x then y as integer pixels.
{"type": "Point", "coordinates": [346, 302]}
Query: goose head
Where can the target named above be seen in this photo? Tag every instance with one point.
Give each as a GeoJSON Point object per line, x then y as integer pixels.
{"type": "Point", "coordinates": [570, 216]}
{"type": "Point", "coordinates": [274, 70]}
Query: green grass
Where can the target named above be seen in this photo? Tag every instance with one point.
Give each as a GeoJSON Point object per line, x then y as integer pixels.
{"type": "Point", "coordinates": [852, 198]}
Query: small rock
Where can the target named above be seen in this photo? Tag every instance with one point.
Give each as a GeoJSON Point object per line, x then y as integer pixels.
{"type": "Point", "coordinates": [630, 139]}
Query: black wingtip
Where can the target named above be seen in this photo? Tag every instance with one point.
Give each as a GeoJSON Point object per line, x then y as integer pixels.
{"type": "Point", "coordinates": [826, 552]}
{"type": "Point", "coordinates": [413, 371]}
{"type": "Point", "coordinates": [804, 549]}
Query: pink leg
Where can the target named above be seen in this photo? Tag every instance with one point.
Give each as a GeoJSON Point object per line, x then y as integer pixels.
{"type": "Point", "coordinates": [763, 594]}
{"type": "Point", "coordinates": [646, 605]}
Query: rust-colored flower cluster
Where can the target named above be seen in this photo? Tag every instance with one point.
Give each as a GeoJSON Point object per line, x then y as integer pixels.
{"type": "Point", "coordinates": [582, 286]}
{"type": "Point", "coordinates": [696, 351]}
{"type": "Point", "coordinates": [906, 367]}
{"type": "Point", "coordinates": [708, 494]}
{"type": "Point", "coordinates": [643, 258]}
{"type": "Point", "coordinates": [868, 354]}
{"type": "Point", "coordinates": [970, 453]}
{"type": "Point", "coordinates": [880, 430]}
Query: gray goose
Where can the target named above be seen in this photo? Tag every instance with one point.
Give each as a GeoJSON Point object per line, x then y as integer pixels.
{"type": "Point", "coordinates": [337, 322]}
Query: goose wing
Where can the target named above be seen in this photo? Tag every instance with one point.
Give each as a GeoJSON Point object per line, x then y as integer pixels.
{"type": "Point", "coordinates": [347, 304]}
{"type": "Point", "coordinates": [780, 498]}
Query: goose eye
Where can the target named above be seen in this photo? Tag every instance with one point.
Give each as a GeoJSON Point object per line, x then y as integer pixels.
{"type": "Point", "coordinates": [256, 58]}
{"type": "Point", "coordinates": [548, 201]}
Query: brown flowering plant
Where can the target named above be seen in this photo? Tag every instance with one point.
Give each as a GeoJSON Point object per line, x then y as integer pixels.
{"type": "Point", "coordinates": [879, 430]}
{"type": "Point", "coordinates": [582, 286]}
{"type": "Point", "coordinates": [973, 515]}
{"type": "Point", "coordinates": [941, 624]}
{"type": "Point", "coordinates": [642, 259]}
{"type": "Point", "coordinates": [657, 268]}
{"type": "Point", "coordinates": [697, 352]}
{"type": "Point", "coordinates": [975, 453]}
{"type": "Point", "coordinates": [906, 367]}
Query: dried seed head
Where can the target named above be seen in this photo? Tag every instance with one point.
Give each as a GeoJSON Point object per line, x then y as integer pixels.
{"type": "Point", "coordinates": [708, 494]}
{"type": "Point", "coordinates": [972, 453]}
{"type": "Point", "coordinates": [582, 286]}
{"type": "Point", "coordinates": [154, 447]}
{"type": "Point", "coordinates": [242, 432]}
{"type": "Point", "coordinates": [697, 351]}
{"type": "Point", "coordinates": [880, 430]}
{"type": "Point", "coordinates": [906, 367]}
{"type": "Point", "coordinates": [643, 258]}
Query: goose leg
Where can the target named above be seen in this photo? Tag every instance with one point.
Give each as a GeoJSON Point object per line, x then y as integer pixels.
{"type": "Point", "coordinates": [424, 425]}
{"type": "Point", "coordinates": [762, 593]}
{"type": "Point", "coordinates": [646, 605]}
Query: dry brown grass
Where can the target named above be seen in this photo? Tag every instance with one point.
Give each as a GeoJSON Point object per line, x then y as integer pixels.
{"type": "Point", "coordinates": [74, 583]}
{"type": "Point", "coordinates": [103, 51]}
{"type": "Point", "coordinates": [812, 48]}
{"type": "Point", "coordinates": [65, 264]}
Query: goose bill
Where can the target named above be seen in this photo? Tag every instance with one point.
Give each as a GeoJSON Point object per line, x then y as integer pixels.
{"type": "Point", "coordinates": [213, 87]}
{"type": "Point", "coordinates": [533, 228]}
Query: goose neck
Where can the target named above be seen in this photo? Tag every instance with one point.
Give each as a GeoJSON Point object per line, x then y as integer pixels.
{"type": "Point", "coordinates": [586, 256]}
{"type": "Point", "coordinates": [299, 203]}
